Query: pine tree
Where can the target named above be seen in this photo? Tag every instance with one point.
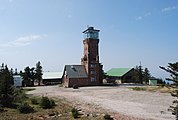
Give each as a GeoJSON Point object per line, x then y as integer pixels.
{"type": "Point", "coordinates": [38, 74]}
{"type": "Point", "coordinates": [146, 75]}
{"type": "Point", "coordinates": [28, 76]}
{"type": "Point", "coordinates": [6, 87]}
{"type": "Point", "coordinates": [173, 70]}
{"type": "Point", "coordinates": [140, 74]}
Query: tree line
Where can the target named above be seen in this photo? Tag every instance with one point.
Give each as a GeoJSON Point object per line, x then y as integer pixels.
{"type": "Point", "coordinates": [32, 75]}
{"type": "Point", "coordinates": [8, 93]}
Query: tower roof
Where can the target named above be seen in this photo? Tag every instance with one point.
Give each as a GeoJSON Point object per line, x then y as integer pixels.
{"type": "Point", "coordinates": [90, 29]}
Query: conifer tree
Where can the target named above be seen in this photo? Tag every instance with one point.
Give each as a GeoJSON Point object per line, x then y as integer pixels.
{"type": "Point", "coordinates": [38, 74]}
{"type": "Point", "coordinates": [172, 68]}
{"type": "Point", "coordinates": [146, 75]}
{"type": "Point", "coordinates": [6, 86]}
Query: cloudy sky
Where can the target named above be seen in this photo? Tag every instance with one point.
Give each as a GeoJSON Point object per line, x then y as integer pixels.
{"type": "Point", "coordinates": [50, 31]}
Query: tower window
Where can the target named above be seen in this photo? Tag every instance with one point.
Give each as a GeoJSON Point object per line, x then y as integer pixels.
{"type": "Point", "coordinates": [93, 79]}
{"type": "Point", "coordinates": [92, 65]}
{"type": "Point", "coordinates": [93, 72]}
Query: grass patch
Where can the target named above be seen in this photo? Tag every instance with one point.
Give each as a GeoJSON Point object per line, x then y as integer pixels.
{"type": "Point", "coordinates": [162, 89]}
{"type": "Point", "coordinates": [139, 88]}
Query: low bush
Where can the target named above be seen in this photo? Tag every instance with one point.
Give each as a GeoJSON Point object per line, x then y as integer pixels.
{"type": "Point", "coordinates": [75, 112]}
{"type": "Point", "coordinates": [34, 101]}
{"type": "Point", "coordinates": [47, 103]}
{"type": "Point", "coordinates": [1, 108]}
{"type": "Point", "coordinates": [75, 86]}
{"type": "Point", "coordinates": [139, 88]}
{"type": "Point", "coordinates": [25, 108]}
{"type": "Point", "coordinates": [108, 117]}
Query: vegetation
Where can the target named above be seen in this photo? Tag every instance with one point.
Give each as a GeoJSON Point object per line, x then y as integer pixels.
{"type": "Point", "coordinates": [6, 87]}
{"type": "Point", "coordinates": [28, 76]}
{"type": "Point", "coordinates": [139, 88]}
{"type": "Point", "coordinates": [75, 113]}
{"type": "Point", "coordinates": [31, 74]}
{"type": "Point", "coordinates": [47, 103]}
{"type": "Point", "coordinates": [34, 101]}
{"type": "Point", "coordinates": [38, 74]}
{"type": "Point", "coordinates": [25, 108]}
{"type": "Point", "coordinates": [141, 76]}
{"type": "Point", "coordinates": [108, 117]}
{"type": "Point", "coordinates": [172, 68]}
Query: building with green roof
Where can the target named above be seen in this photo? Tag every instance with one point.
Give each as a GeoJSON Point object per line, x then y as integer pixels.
{"type": "Point", "coordinates": [125, 75]}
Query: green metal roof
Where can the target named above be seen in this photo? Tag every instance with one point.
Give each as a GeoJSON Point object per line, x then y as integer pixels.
{"type": "Point", "coordinates": [118, 71]}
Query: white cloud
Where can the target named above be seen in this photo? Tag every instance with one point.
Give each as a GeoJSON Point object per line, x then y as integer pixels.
{"type": "Point", "coordinates": [22, 41]}
{"type": "Point", "coordinates": [147, 14]}
{"type": "Point", "coordinates": [169, 8]}
{"type": "Point", "coordinates": [143, 16]}
{"type": "Point", "coordinates": [139, 18]}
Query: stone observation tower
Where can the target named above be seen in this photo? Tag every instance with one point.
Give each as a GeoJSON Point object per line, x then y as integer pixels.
{"type": "Point", "coordinates": [91, 56]}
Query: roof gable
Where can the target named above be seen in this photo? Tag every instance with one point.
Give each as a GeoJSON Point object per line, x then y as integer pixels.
{"type": "Point", "coordinates": [118, 71]}
{"type": "Point", "coordinates": [76, 71]}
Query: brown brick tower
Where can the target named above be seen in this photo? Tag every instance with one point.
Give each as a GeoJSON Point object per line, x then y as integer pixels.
{"type": "Point", "coordinates": [91, 56]}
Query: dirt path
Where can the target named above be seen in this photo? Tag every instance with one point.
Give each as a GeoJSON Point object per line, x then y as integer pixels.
{"type": "Point", "coordinates": [120, 99]}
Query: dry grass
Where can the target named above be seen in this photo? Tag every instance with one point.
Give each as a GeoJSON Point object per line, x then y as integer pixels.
{"type": "Point", "coordinates": [155, 89]}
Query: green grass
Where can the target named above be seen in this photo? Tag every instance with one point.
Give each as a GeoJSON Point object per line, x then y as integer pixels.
{"type": "Point", "coordinates": [162, 89]}
{"type": "Point", "coordinates": [139, 88]}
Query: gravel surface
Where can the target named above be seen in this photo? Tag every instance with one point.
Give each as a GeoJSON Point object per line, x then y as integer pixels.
{"type": "Point", "coordinates": [117, 99]}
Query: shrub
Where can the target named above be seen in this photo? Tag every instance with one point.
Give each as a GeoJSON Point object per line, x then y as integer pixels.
{"type": "Point", "coordinates": [108, 117]}
{"type": "Point", "coordinates": [25, 108]}
{"type": "Point", "coordinates": [52, 103]}
{"type": "Point", "coordinates": [75, 86]}
{"type": "Point", "coordinates": [34, 101]}
{"type": "Point", "coordinates": [1, 108]}
{"type": "Point", "coordinates": [139, 88]}
{"type": "Point", "coordinates": [47, 103]}
{"type": "Point", "coordinates": [75, 113]}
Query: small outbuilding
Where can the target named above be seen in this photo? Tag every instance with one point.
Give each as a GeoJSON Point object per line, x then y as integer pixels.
{"type": "Point", "coordinates": [153, 81]}
{"type": "Point", "coordinates": [124, 75]}
{"type": "Point", "coordinates": [50, 78]}
{"type": "Point", "coordinates": [18, 81]}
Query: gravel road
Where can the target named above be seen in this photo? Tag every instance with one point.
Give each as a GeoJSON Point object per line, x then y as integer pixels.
{"type": "Point", "coordinates": [118, 99]}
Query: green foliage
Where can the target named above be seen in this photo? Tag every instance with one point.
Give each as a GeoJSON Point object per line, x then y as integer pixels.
{"type": "Point", "coordinates": [1, 108]}
{"type": "Point", "coordinates": [25, 108]}
{"type": "Point", "coordinates": [6, 87]}
{"type": "Point", "coordinates": [141, 75]}
{"type": "Point", "coordinates": [34, 101]}
{"type": "Point", "coordinates": [38, 74]}
{"type": "Point", "coordinates": [173, 70]}
{"type": "Point", "coordinates": [47, 103]}
{"type": "Point", "coordinates": [146, 75]}
{"type": "Point", "coordinates": [28, 76]}
{"type": "Point", "coordinates": [19, 95]}
{"type": "Point", "coordinates": [108, 117]}
{"type": "Point", "coordinates": [75, 112]}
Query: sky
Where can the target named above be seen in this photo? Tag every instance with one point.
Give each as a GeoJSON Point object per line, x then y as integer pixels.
{"type": "Point", "coordinates": [50, 31]}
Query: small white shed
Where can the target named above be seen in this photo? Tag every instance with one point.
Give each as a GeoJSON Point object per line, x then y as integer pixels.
{"type": "Point", "coordinates": [153, 82]}
{"type": "Point", "coordinates": [17, 80]}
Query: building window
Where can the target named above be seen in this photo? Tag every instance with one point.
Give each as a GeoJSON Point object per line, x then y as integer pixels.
{"type": "Point", "coordinates": [92, 65]}
{"type": "Point", "coordinates": [93, 79]}
{"type": "Point", "coordinates": [93, 72]}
